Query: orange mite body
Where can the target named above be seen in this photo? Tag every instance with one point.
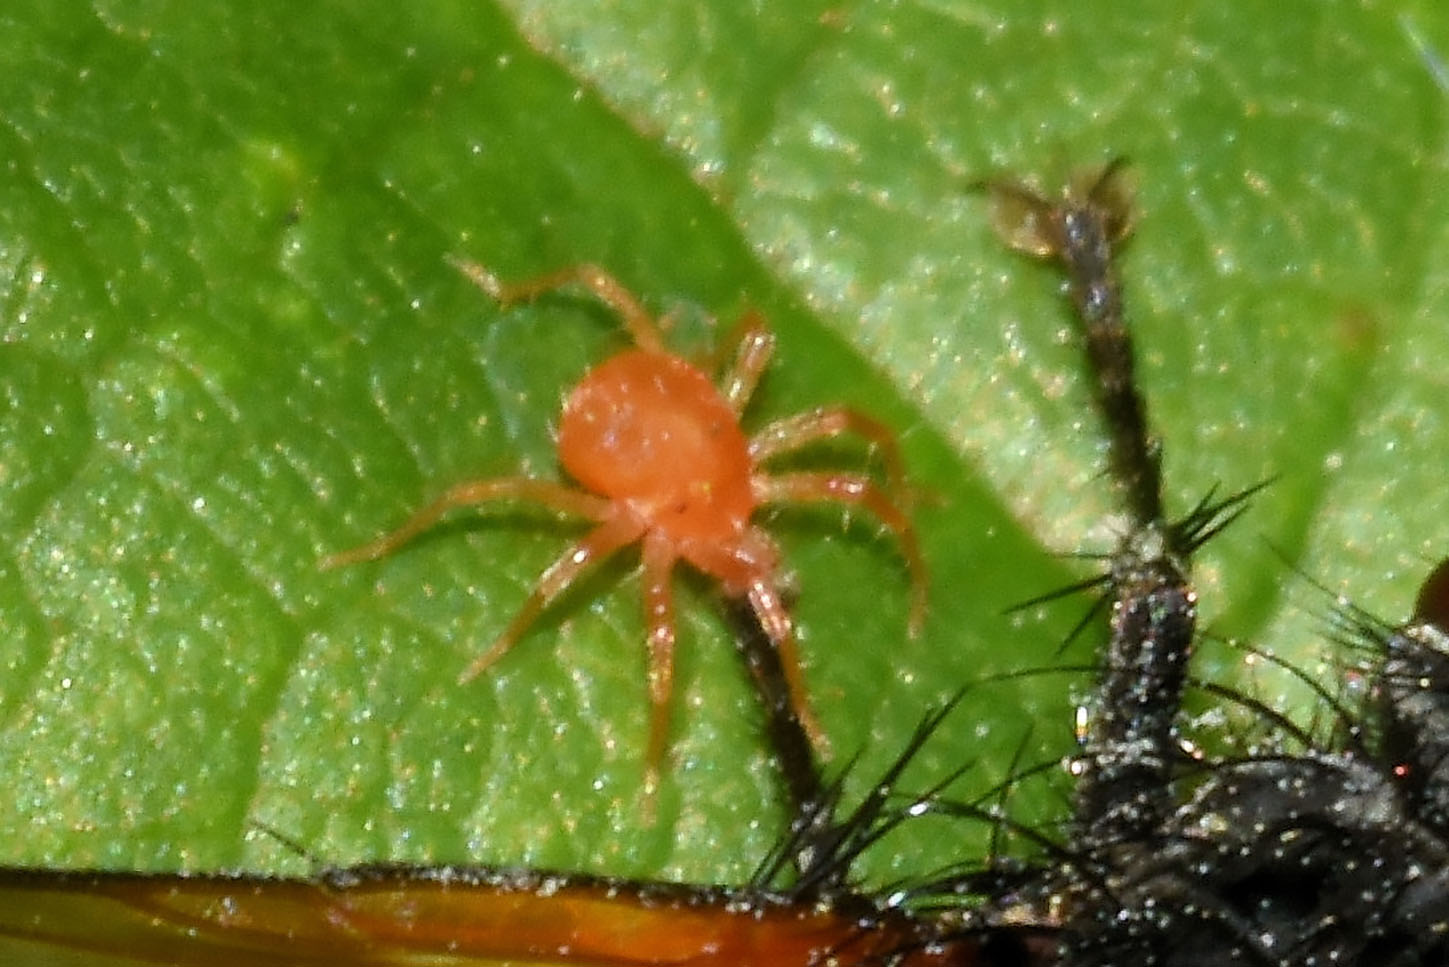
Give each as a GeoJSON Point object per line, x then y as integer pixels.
{"type": "Point", "coordinates": [661, 461]}
{"type": "Point", "coordinates": [650, 430]}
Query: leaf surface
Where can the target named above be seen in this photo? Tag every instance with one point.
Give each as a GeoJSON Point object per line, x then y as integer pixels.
{"type": "Point", "coordinates": [231, 343]}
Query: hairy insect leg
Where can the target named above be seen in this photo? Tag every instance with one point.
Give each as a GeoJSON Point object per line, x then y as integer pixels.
{"type": "Point", "coordinates": [554, 496]}
{"type": "Point", "coordinates": [1277, 856]}
{"type": "Point", "coordinates": [609, 537]}
{"type": "Point", "coordinates": [752, 344]}
{"type": "Point", "coordinates": [1083, 231]}
{"type": "Point", "coordinates": [863, 492]}
{"type": "Point", "coordinates": [1129, 748]}
{"type": "Point", "coordinates": [607, 289]}
{"type": "Point", "coordinates": [792, 745]}
{"type": "Point", "coordinates": [802, 429]}
{"type": "Point", "coordinates": [658, 560]}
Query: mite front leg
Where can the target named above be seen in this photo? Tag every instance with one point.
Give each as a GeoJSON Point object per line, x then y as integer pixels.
{"type": "Point", "coordinates": [546, 494]}
{"type": "Point", "coordinates": [607, 289]}
{"type": "Point", "coordinates": [753, 344]}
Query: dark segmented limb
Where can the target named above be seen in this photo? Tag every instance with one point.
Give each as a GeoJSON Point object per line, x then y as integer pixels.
{"type": "Point", "coordinates": [795, 755]}
{"type": "Point", "coordinates": [1319, 855]}
{"type": "Point", "coordinates": [1082, 231]}
{"type": "Point", "coordinates": [1130, 744]}
{"type": "Point", "coordinates": [1118, 896]}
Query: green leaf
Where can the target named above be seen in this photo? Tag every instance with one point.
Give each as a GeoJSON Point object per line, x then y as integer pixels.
{"type": "Point", "coordinates": [231, 343]}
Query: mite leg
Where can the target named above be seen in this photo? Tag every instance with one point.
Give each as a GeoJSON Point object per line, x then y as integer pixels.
{"type": "Point", "coordinates": [598, 544]}
{"type": "Point", "coordinates": [794, 432]}
{"type": "Point", "coordinates": [859, 491]}
{"type": "Point", "coordinates": [607, 289]}
{"type": "Point", "coordinates": [658, 559]}
{"type": "Point", "coordinates": [770, 611]}
{"type": "Point", "coordinates": [753, 344]}
{"type": "Point", "coordinates": [551, 495]}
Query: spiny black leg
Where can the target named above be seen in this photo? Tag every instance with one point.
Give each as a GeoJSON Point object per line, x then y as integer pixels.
{"type": "Point", "coordinates": [805, 788]}
{"type": "Point", "coordinates": [1130, 744]}
{"type": "Point", "coordinates": [1082, 231]}
{"type": "Point", "coordinates": [1126, 796]}
{"type": "Point", "coordinates": [1298, 854]}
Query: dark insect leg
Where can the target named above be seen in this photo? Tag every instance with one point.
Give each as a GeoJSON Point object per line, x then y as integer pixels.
{"type": "Point", "coordinates": [1083, 230]}
{"type": "Point", "coordinates": [794, 752]}
{"type": "Point", "coordinates": [1129, 744]}
{"type": "Point", "coordinates": [1124, 883]}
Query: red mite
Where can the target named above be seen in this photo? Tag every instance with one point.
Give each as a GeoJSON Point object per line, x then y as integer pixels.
{"type": "Point", "coordinates": [661, 461]}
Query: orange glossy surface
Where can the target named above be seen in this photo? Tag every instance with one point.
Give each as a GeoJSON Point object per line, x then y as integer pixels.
{"type": "Point", "coordinates": [426, 917]}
